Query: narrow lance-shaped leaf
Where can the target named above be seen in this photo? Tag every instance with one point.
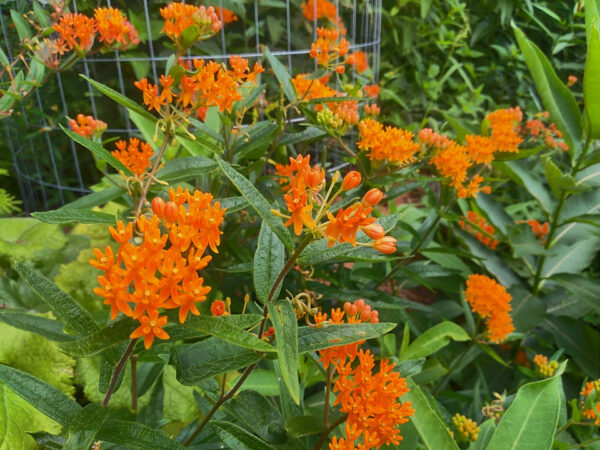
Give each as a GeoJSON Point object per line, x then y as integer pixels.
{"type": "Point", "coordinates": [434, 339]}
{"type": "Point", "coordinates": [311, 339]}
{"type": "Point", "coordinates": [258, 202]}
{"type": "Point", "coordinates": [48, 328]}
{"type": "Point", "coordinates": [68, 215]}
{"type": "Point", "coordinates": [282, 75]}
{"type": "Point", "coordinates": [285, 324]}
{"type": "Point", "coordinates": [591, 79]}
{"type": "Point", "coordinates": [100, 340]}
{"type": "Point", "coordinates": [268, 263]}
{"type": "Point", "coordinates": [236, 437]}
{"type": "Point", "coordinates": [136, 435]}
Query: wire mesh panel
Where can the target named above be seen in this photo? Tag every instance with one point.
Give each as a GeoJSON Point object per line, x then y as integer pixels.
{"type": "Point", "coordinates": [52, 171]}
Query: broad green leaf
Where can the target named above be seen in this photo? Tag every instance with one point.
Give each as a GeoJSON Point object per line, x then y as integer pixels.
{"type": "Point", "coordinates": [268, 263]}
{"type": "Point", "coordinates": [285, 324]}
{"type": "Point", "coordinates": [258, 202]}
{"type": "Point", "coordinates": [85, 426]}
{"type": "Point", "coordinates": [584, 289]}
{"type": "Point", "coordinates": [528, 310]}
{"type": "Point", "coordinates": [236, 437]}
{"type": "Point", "coordinates": [571, 258]}
{"type": "Point", "coordinates": [589, 177]}
{"type": "Point", "coordinates": [95, 198]}
{"type": "Point", "coordinates": [557, 181]}
{"type": "Point", "coordinates": [308, 134]}
{"type": "Point", "coordinates": [591, 74]}
{"type": "Point", "coordinates": [136, 435]}
{"type": "Point", "coordinates": [530, 421]}
{"type": "Point", "coordinates": [68, 215]}
{"type": "Point", "coordinates": [319, 251]}
{"type": "Point", "coordinates": [282, 75]}
{"type": "Point", "coordinates": [556, 97]}
{"type": "Point", "coordinates": [120, 99]}
{"type": "Point", "coordinates": [523, 241]}
{"type": "Point", "coordinates": [41, 15]}
{"type": "Point", "coordinates": [48, 328]}
{"type": "Point", "coordinates": [263, 381]}
{"type": "Point", "coordinates": [99, 151]}
{"type": "Point", "coordinates": [301, 426]}
{"type": "Point", "coordinates": [63, 305]}
{"type": "Point", "coordinates": [523, 177]}
{"type": "Point", "coordinates": [100, 340]}
{"type": "Point", "coordinates": [434, 339]}
{"type": "Point", "coordinates": [44, 397]}
{"type": "Point", "coordinates": [225, 330]}
{"type": "Point", "coordinates": [205, 129]}
{"type": "Point", "coordinates": [253, 140]}
{"type": "Point", "coordinates": [182, 169]}
{"type": "Point", "coordinates": [205, 359]}
{"type": "Point", "coordinates": [21, 25]}
{"type": "Point", "coordinates": [431, 428]}
{"type": "Point", "coordinates": [312, 339]}
{"type": "Point", "coordinates": [233, 204]}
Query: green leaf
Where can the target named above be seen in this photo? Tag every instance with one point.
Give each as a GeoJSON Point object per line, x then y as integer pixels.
{"type": "Point", "coordinates": [48, 328]}
{"type": "Point", "coordinates": [557, 181]}
{"type": "Point", "coordinates": [571, 258]}
{"type": "Point", "coordinates": [85, 426]}
{"type": "Point", "coordinates": [312, 339]}
{"type": "Point", "coordinates": [591, 74]}
{"type": "Point", "coordinates": [41, 15]}
{"type": "Point", "coordinates": [136, 435]}
{"type": "Point", "coordinates": [268, 263]}
{"type": "Point", "coordinates": [98, 341]}
{"type": "Point", "coordinates": [285, 324]}
{"type": "Point", "coordinates": [95, 199]}
{"type": "Point", "coordinates": [431, 428]}
{"type": "Point", "coordinates": [222, 328]}
{"type": "Point", "coordinates": [233, 204]}
{"type": "Point", "coordinates": [263, 381]}
{"type": "Point", "coordinates": [535, 404]}
{"type": "Point", "coordinates": [44, 397]}
{"type": "Point", "coordinates": [589, 177]}
{"type": "Point", "coordinates": [68, 215]}
{"type": "Point", "coordinates": [524, 177]}
{"type": "Point", "coordinates": [308, 134]}
{"type": "Point", "coordinates": [301, 426]}
{"type": "Point", "coordinates": [523, 241]}
{"type": "Point", "coordinates": [258, 202]}
{"type": "Point", "coordinates": [97, 150]}
{"type": "Point", "coordinates": [182, 169]}
{"type": "Point", "coordinates": [236, 437]}
{"type": "Point", "coordinates": [253, 140]}
{"type": "Point", "coordinates": [205, 359]}
{"type": "Point", "coordinates": [21, 25]}
{"type": "Point", "coordinates": [586, 290]}
{"type": "Point", "coordinates": [494, 211]}
{"type": "Point", "coordinates": [282, 75]}
{"type": "Point", "coordinates": [434, 339]}
{"type": "Point", "coordinates": [486, 430]}
{"type": "Point", "coordinates": [63, 305]}
{"type": "Point", "coordinates": [120, 98]}
{"type": "Point", "coordinates": [556, 97]}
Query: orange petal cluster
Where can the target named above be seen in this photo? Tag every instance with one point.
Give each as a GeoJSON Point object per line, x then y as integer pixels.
{"type": "Point", "coordinates": [358, 59]}
{"type": "Point", "coordinates": [540, 230]}
{"type": "Point", "coordinates": [75, 31]}
{"type": "Point", "coordinates": [179, 16]}
{"type": "Point", "coordinates": [159, 270]}
{"type": "Point", "coordinates": [114, 29]}
{"type": "Point", "coordinates": [391, 143]}
{"type": "Point", "coordinates": [371, 90]}
{"type": "Point", "coordinates": [372, 403]}
{"type": "Point", "coordinates": [492, 302]}
{"type": "Point", "coordinates": [540, 128]}
{"type": "Point", "coordinates": [134, 154]}
{"type": "Point", "coordinates": [211, 84]}
{"type": "Point", "coordinates": [543, 367]}
{"type": "Point", "coordinates": [227, 16]}
{"type": "Point", "coordinates": [590, 403]}
{"type": "Point", "coordinates": [328, 48]}
{"type": "Point", "coordinates": [319, 9]}
{"type": "Point", "coordinates": [505, 126]}
{"type": "Point", "coordinates": [87, 126]}
{"type": "Point", "coordinates": [477, 225]}
{"type": "Point", "coordinates": [357, 312]}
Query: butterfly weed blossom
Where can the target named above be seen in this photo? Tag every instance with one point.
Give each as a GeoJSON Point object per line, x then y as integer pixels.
{"type": "Point", "coordinates": [87, 126]}
{"type": "Point", "coordinates": [158, 268]}
{"type": "Point", "coordinates": [590, 402]}
{"type": "Point", "coordinates": [478, 226]}
{"type": "Point", "coordinates": [544, 368]}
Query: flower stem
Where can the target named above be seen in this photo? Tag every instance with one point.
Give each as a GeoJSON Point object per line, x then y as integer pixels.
{"type": "Point", "coordinates": [117, 372]}
{"type": "Point", "coordinates": [327, 393]}
{"type": "Point", "coordinates": [134, 397]}
{"type": "Point", "coordinates": [325, 433]}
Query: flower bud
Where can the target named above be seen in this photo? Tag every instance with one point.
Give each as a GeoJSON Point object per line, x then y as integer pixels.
{"type": "Point", "coordinates": [360, 305]}
{"type": "Point", "coordinates": [386, 244]}
{"type": "Point", "coordinates": [374, 316]}
{"type": "Point", "coordinates": [218, 308]}
{"type": "Point", "coordinates": [171, 211]}
{"type": "Point", "coordinates": [351, 180]}
{"type": "Point", "coordinates": [372, 197]}
{"type": "Point", "coordinates": [340, 69]}
{"type": "Point", "coordinates": [158, 207]}
{"type": "Point", "coordinates": [347, 305]}
{"type": "Point", "coordinates": [365, 316]}
{"type": "Point", "coordinates": [374, 231]}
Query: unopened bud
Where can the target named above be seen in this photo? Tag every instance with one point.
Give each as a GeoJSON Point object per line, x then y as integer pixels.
{"type": "Point", "coordinates": [171, 211]}
{"type": "Point", "coordinates": [351, 180]}
{"type": "Point", "coordinates": [386, 244]}
{"type": "Point", "coordinates": [360, 305]}
{"type": "Point", "coordinates": [158, 207]}
{"type": "Point", "coordinates": [374, 231]}
{"type": "Point", "coordinates": [372, 197]}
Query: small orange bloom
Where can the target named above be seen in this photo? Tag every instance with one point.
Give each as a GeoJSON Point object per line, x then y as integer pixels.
{"type": "Point", "coordinates": [76, 31]}
{"type": "Point", "coordinates": [151, 326]}
{"type": "Point", "coordinates": [358, 59]}
{"type": "Point", "coordinates": [296, 205]}
{"type": "Point", "coordinates": [477, 225]}
{"type": "Point", "coordinates": [317, 9]}
{"type": "Point", "coordinates": [218, 308]}
{"type": "Point", "coordinates": [391, 143]}
{"type": "Point", "coordinates": [114, 28]}
{"type": "Point", "coordinates": [87, 126]}
{"type": "Point", "coordinates": [135, 155]}
{"type": "Point", "coordinates": [351, 180]}
{"type": "Point", "coordinates": [225, 15]}
{"type": "Point", "coordinates": [371, 90]}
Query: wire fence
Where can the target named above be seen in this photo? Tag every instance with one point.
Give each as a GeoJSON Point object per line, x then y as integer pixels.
{"type": "Point", "coordinates": [51, 171]}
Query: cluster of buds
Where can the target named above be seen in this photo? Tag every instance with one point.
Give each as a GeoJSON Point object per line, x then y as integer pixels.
{"type": "Point", "coordinates": [303, 186]}
{"type": "Point", "coordinates": [327, 119]}
{"type": "Point", "coordinates": [186, 24]}
{"type": "Point", "coordinates": [466, 429]}
{"type": "Point", "coordinates": [87, 126]}
{"type": "Point", "coordinates": [540, 128]}
{"type": "Point", "coordinates": [544, 368]}
{"type": "Point", "coordinates": [359, 311]}
{"type": "Point", "coordinates": [478, 226]}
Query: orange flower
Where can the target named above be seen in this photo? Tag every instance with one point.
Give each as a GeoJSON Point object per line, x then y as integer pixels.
{"type": "Point", "coordinates": [328, 47]}
{"type": "Point", "coordinates": [477, 225]}
{"type": "Point", "coordinates": [371, 90]}
{"type": "Point", "coordinates": [429, 137]}
{"type": "Point", "coordinates": [453, 162]}
{"type": "Point", "coordinates": [218, 308]}
{"type": "Point", "coordinates": [318, 9]}
{"type": "Point", "coordinates": [225, 15]}
{"type": "Point", "coordinates": [391, 143]}
{"type": "Point", "coordinates": [589, 402]}
{"type": "Point", "coordinates": [372, 110]}
{"type": "Point", "coordinates": [351, 180]}
{"type": "Point", "coordinates": [114, 28]}
{"type": "Point", "coordinates": [491, 301]}
{"type": "Point", "coordinates": [504, 124]}
{"type": "Point", "coordinates": [87, 126]}
{"type": "Point", "coordinates": [540, 230]}
{"type": "Point", "coordinates": [480, 148]}
{"type": "Point", "coordinates": [76, 31]}
{"type": "Point", "coordinates": [179, 16]}
{"type": "Point", "coordinates": [296, 205]}
{"type": "Point", "coordinates": [151, 326]}
{"type": "Point", "coordinates": [543, 367]}
{"type": "Point", "coordinates": [311, 89]}
{"type": "Point", "coordinates": [571, 80]}
{"type": "Point", "coordinates": [344, 226]}
{"type": "Point", "coordinates": [135, 155]}
{"type": "Point", "coordinates": [358, 59]}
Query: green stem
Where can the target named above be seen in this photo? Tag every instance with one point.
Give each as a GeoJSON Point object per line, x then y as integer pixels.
{"type": "Point", "coordinates": [584, 444]}
{"type": "Point", "coordinates": [161, 152]}
{"type": "Point", "coordinates": [325, 433]}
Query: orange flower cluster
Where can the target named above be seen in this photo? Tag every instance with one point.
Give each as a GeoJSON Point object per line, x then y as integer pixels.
{"type": "Point", "coordinates": [77, 31]}
{"type": "Point", "coordinates": [358, 59]}
{"type": "Point", "coordinates": [135, 155]}
{"type": "Point", "coordinates": [160, 270]}
{"type": "Point", "coordinates": [312, 89]}
{"type": "Point", "coordinates": [491, 301]}
{"type": "Point", "coordinates": [540, 230]}
{"type": "Point", "coordinates": [372, 110]}
{"type": "Point", "coordinates": [328, 48]}
{"type": "Point", "coordinates": [391, 143]}
{"type": "Point", "coordinates": [537, 129]}
{"type": "Point", "coordinates": [477, 225]}
{"type": "Point", "coordinates": [227, 16]}
{"type": "Point", "coordinates": [543, 367]}
{"type": "Point", "coordinates": [87, 126]}
{"type": "Point", "coordinates": [371, 402]}
{"type": "Point", "coordinates": [357, 312]}
{"type": "Point", "coordinates": [371, 90]}
{"type": "Point", "coordinates": [590, 402]}
{"type": "Point", "coordinates": [318, 9]}
{"type": "Point", "coordinates": [302, 184]}
{"type": "Point", "coordinates": [180, 16]}
{"type": "Point", "coordinates": [210, 85]}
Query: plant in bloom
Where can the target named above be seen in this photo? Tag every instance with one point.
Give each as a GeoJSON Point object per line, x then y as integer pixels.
{"type": "Point", "coordinates": [329, 48]}
{"type": "Point", "coordinates": [87, 126]}
{"type": "Point", "coordinates": [466, 429]}
{"type": "Point", "coordinates": [358, 60]}
{"type": "Point", "coordinates": [541, 129]}
{"type": "Point", "coordinates": [134, 154]}
{"type": "Point", "coordinates": [478, 226]}
{"type": "Point", "coordinates": [491, 301]}
{"type": "Point", "coordinates": [198, 23]}
{"type": "Point", "coordinates": [539, 229]}
{"type": "Point", "coordinates": [391, 143]}
{"type": "Point", "coordinates": [227, 16]}
{"type": "Point", "coordinates": [544, 368]}
{"type": "Point", "coordinates": [159, 270]}
{"type": "Point", "coordinates": [590, 403]}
